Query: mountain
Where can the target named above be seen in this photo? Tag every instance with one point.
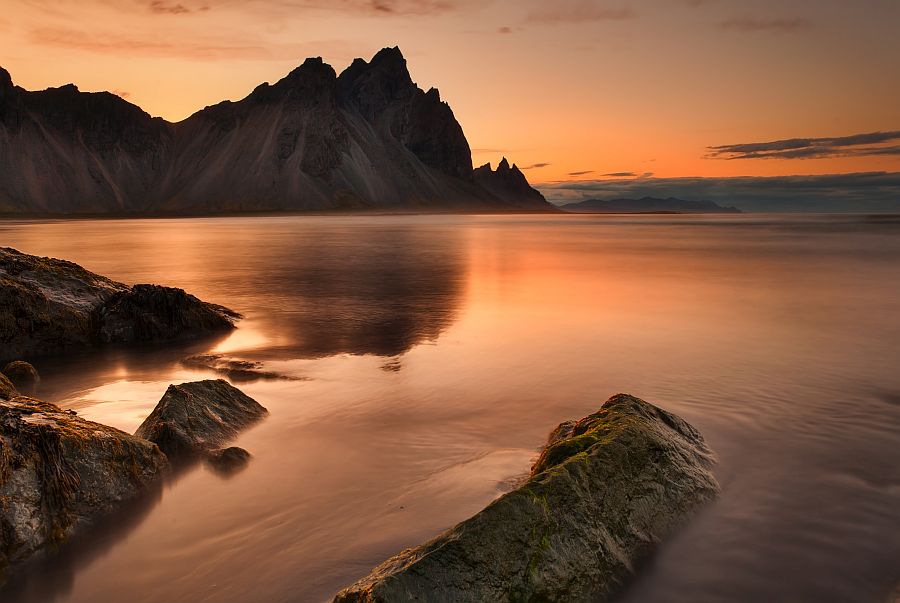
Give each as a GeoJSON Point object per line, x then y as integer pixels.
{"type": "Point", "coordinates": [647, 205]}
{"type": "Point", "coordinates": [368, 138]}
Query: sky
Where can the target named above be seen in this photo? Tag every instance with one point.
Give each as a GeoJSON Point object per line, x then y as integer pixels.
{"type": "Point", "coordinates": [573, 91]}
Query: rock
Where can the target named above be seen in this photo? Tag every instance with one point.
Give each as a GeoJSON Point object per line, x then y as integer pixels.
{"type": "Point", "coordinates": [7, 389]}
{"type": "Point", "coordinates": [509, 185]}
{"type": "Point", "coordinates": [598, 500]}
{"type": "Point", "coordinates": [49, 305]}
{"type": "Point", "coordinates": [228, 460]}
{"type": "Point", "coordinates": [234, 368]}
{"type": "Point", "coordinates": [154, 313]}
{"type": "Point", "coordinates": [193, 419]}
{"type": "Point", "coordinates": [59, 473]}
{"type": "Point", "coordinates": [21, 373]}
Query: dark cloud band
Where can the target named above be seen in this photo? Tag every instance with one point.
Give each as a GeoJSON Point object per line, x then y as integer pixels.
{"type": "Point", "coordinates": [869, 144]}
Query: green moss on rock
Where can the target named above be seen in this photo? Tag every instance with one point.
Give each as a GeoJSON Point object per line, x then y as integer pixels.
{"type": "Point", "coordinates": [605, 491]}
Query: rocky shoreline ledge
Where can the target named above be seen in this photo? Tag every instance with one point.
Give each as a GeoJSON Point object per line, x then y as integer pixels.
{"type": "Point", "coordinates": [60, 474]}
{"type": "Point", "coordinates": [49, 306]}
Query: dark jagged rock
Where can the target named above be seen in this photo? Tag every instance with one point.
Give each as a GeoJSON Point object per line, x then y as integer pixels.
{"type": "Point", "coordinates": [228, 461]}
{"type": "Point", "coordinates": [59, 473]}
{"type": "Point", "coordinates": [647, 205]}
{"type": "Point", "coordinates": [509, 184]}
{"type": "Point", "coordinates": [601, 496]}
{"type": "Point", "coordinates": [21, 373]}
{"type": "Point", "coordinates": [49, 305]}
{"type": "Point", "coordinates": [193, 419]}
{"type": "Point", "coordinates": [369, 138]}
{"type": "Point", "coordinates": [152, 313]}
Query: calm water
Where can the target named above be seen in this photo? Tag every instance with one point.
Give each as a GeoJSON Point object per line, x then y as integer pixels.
{"type": "Point", "coordinates": [432, 355]}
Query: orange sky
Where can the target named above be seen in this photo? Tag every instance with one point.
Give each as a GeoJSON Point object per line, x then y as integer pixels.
{"type": "Point", "coordinates": [587, 86]}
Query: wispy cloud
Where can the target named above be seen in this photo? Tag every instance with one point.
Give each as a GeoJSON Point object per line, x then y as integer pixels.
{"type": "Point", "coordinates": [857, 145]}
{"type": "Point", "coordinates": [582, 173]}
{"type": "Point", "coordinates": [753, 24]}
{"type": "Point", "coordinates": [122, 93]}
{"type": "Point", "coordinates": [534, 166]}
{"type": "Point", "coordinates": [619, 175]}
{"type": "Point", "coordinates": [867, 192]}
{"type": "Point", "coordinates": [210, 47]}
{"type": "Point", "coordinates": [168, 8]}
{"type": "Point", "coordinates": [577, 11]}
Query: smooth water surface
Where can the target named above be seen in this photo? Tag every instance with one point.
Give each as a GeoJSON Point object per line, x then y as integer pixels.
{"type": "Point", "coordinates": [429, 357]}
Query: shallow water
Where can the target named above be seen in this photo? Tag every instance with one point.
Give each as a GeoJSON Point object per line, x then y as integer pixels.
{"type": "Point", "coordinates": [430, 357]}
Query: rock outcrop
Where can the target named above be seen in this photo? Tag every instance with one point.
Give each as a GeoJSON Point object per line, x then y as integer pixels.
{"type": "Point", "coordinates": [59, 473]}
{"type": "Point", "coordinates": [368, 138]}
{"type": "Point", "coordinates": [509, 183]}
{"type": "Point", "coordinates": [193, 419]}
{"type": "Point", "coordinates": [602, 495]}
{"type": "Point", "coordinates": [49, 305]}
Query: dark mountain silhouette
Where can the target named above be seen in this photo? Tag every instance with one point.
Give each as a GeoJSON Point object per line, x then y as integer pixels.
{"type": "Point", "coordinates": [315, 140]}
{"type": "Point", "coordinates": [646, 205]}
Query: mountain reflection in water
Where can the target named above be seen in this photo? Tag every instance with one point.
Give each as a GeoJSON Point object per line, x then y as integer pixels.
{"type": "Point", "coordinates": [427, 358]}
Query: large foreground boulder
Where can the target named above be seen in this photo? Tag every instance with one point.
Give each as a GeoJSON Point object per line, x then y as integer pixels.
{"type": "Point", "coordinates": [58, 473]}
{"type": "Point", "coordinates": [49, 305]}
{"type": "Point", "coordinates": [193, 419]}
{"type": "Point", "coordinates": [602, 495]}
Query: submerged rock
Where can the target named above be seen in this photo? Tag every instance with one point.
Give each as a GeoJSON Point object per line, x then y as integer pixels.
{"type": "Point", "coordinates": [228, 460]}
{"type": "Point", "coordinates": [58, 473]}
{"type": "Point", "coordinates": [21, 373]}
{"type": "Point", "coordinates": [49, 305]}
{"type": "Point", "coordinates": [235, 369]}
{"type": "Point", "coordinates": [602, 495]}
{"type": "Point", "coordinates": [193, 419]}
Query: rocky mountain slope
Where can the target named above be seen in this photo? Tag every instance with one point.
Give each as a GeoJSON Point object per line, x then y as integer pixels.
{"type": "Point", "coordinates": [315, 140]}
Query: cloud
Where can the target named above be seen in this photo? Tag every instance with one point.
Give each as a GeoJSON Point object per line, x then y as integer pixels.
{"type": "Point", "coordinates": [159, 7]}
{"type": "Point", "coordinates": [207, 48]}
{"type": "Point", "coordinates": [752, 24]}
{"type": "Point", "coordinates": [122, 93]}
{"type": "Point", "coordinates": [534, 166]}
{"type": "Point", "coordinates": [583, 173]}
{"type": "Point", "coordinates": [270, 8]}
{"type": "Point", "coordinates": [504, 30]}
{"type": "Point", "coordinates": [857, 145]}
{"type": "Point", "coordinates": [861, 192]}
{"type": "Point", "coordinates": [577, 11]}
{"type": "Point", "coordinates": [620, 174]}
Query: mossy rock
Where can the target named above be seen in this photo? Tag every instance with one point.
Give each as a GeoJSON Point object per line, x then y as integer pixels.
{"type": "Point", "coordinates": [603, 494]}
{"type": "Point", "coordinates": [21, 373]}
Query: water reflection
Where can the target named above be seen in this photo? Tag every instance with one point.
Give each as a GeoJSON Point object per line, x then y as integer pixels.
{"type": "Point", "coordinates": [775, 336]}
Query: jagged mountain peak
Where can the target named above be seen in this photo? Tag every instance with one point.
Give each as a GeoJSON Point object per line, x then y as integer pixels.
{"type": "Point", "coordinates": [369, 137]}
{"type": "Point", "coordinates": [5, 79]}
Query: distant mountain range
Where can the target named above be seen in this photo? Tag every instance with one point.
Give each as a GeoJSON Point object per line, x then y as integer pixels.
{"type": "Point", "coordinates": [368, 138]}
{"type": "Point", "coordinates": [647, 205]}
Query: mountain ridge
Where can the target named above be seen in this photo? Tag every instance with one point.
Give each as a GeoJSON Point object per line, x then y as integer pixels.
{"type": "Point", "coordinates": [315, 140]}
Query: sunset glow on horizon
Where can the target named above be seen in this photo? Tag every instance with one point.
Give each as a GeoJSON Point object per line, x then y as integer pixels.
{"type": "Point", "coordinates": [577, 90]}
